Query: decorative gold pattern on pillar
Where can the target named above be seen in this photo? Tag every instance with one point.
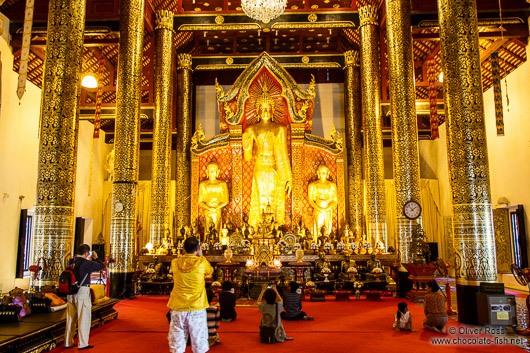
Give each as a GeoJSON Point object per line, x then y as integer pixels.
{"type": "Point", "coordinates": [373, 136]}
{"type": "Point", "coordinates": [354, 142]}
{"type": "Point", "coordinates": [183, 175]}
{"type": "Point", "coordinates": [474, 238]}
{"type": "Point", "coordinates": [404, 121]}
{"type": "Point", "coordinates": [161, 162]}
{"type": "Point", "coordinates": [54, 211]}
{"type": "Point", "coordinates": [126, 145]}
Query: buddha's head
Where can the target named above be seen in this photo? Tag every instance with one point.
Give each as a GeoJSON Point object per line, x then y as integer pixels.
{"type": "Point", "coordinates": [212, 170]}
{"type": "Point", "coordinates": [264, 106]}
{"type": "Point", "coordinates": [323, 172]}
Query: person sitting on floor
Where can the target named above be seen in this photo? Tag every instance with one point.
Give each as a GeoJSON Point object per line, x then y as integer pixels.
{"type": "Point", "coordinates": [213, 319]}
{"type": "Point", "coordinates": [435, 309]}
{"type": "Point", "coordinates": [293, 304]}
{"type": "Point", "coordinates": [403, 319]}
{"type": "Point", "coordinates": [271, 328]}
{"type": "Point", "coordinates": [227, 303]}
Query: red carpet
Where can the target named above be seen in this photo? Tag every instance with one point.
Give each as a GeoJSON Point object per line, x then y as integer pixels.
{"type": "Point", "coordinates": [338, 327]}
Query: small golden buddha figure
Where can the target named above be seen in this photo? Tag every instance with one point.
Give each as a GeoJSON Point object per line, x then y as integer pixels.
{"type": "Point", "coordinates": [323, 237]}
{"type": "Point", "coordinates": [213, 196]}
{"type": "Point", "coordinates": [272, 177]}
{"type": "Point", "coordinates": [322, 196]}
{"type": "Point", "coordinates": [347, 236]}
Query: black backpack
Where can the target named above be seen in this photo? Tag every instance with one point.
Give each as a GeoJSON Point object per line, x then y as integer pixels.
{"type": "Point", "coordinates": [68, 283]}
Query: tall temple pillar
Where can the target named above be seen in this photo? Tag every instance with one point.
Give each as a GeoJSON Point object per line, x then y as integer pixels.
{"type": "Point", "coordinates": [354, 142]}
{"type": "Point", "coordinates": [54, 211]}
{"type": "Point", "coordinates": [161, 161]}
{"type": "Point", "coordinates": [404, 121]}
{"type": "Point", "coordinates": [474, 239]}
{"type": "Point", "coordinates": [126, 146]}
{"type": "Point", "coordinates": [184, 122]}
{"type": "Point", "coordinates": [374, 168]}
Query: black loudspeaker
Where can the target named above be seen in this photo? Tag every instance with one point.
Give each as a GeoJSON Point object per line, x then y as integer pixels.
{"type": "Point", "coordinates": [100, 250]}
{"type": "Point", "coordinates": [433, 249]}
{"type": "Point", "coordinates": [79, 233]}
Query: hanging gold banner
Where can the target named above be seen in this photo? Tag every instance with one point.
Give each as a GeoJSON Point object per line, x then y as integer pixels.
{"type": "Point", "coordinates": [497, 93]}
{"type": "Point", "coordinates": [433, 97]}
{"type": "Point", "coordinates": [24, 53]}
{"type": "Point", "coordinates": [99, 98]}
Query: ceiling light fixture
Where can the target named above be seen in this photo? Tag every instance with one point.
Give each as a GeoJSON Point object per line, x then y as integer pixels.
{"type": "Point", "coordinates": [263, 10]}
{"type": "Point", "coordinates": [89, 81]}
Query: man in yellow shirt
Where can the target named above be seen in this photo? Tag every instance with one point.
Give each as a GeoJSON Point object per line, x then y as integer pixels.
{"type": "Point", "coordinates": [188, 301]}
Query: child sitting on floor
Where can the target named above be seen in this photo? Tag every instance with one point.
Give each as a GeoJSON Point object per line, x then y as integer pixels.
{"type": "Point", "coordinates": [402, 319]}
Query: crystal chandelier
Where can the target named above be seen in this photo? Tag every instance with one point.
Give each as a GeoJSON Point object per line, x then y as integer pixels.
{"type": "Point", "coordinates": [263, 10]}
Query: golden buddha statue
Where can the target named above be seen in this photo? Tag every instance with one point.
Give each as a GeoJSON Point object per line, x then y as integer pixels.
{"type": "Point", "coordinates": [272, 177]}
{"type": "Point", "coordinates": [322, 197]}
{"type": "Point", "coordinates": [213, 196]}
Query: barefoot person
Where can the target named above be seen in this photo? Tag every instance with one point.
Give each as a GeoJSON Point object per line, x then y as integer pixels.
{"type": "Point", "coordinates": [271, 328]}
{"type": "Point", "coordinates": [435, 308]}
{"type": "Point", "coordinates": [188, 300]}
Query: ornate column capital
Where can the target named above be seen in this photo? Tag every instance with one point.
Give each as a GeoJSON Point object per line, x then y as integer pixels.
{"type": "Point", "coordinates": [164, 20]}
{"type": "Point", "coordinates": [352, 58]}
{"type": "Point", "coordinates": [368, 15]}
{"type": "Point", "coordinates": [184, 61]}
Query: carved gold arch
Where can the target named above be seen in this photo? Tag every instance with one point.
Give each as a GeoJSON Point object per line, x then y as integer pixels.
{"type": "Point", "coordinates": [292, 103]}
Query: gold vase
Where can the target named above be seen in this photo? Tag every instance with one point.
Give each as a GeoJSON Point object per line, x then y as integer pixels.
{"type": "Point", "coordinates": [228, 255]}
{"type": "Point", "coordinates": [299, 255]}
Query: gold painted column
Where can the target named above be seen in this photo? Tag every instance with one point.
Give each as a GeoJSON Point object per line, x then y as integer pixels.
{"type": "Point", "coordinates": [183, 173]}
{"type": "Point", "coordinates": [161, 160]}
{"type": "Point", "coordinates": [474, 239]}
{"type": "Point", "coordinates": [404, 122]}
{"type": "Point", "coordinates": [354, 142]}
{"type": "Point", "coordinates": [54, 211]}
{"type": "Point", "coordinates": [374, 168]}
{"type": "Point", "coordinates": [126, 146]}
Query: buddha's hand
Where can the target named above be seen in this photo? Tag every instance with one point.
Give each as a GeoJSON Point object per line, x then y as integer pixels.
{"type": "Point", "coordinates": [288, 187]}
{"type": "Point", "coordinates": [246, 141]}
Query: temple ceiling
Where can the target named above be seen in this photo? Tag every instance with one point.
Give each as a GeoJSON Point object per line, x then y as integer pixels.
{"type": "Point", "coordinates": [310, 37]}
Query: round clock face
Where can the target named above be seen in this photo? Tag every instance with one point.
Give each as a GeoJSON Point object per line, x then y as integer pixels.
{"type": "Point", "coordinates": [412, 210]}
{"type": "Point", "coordinates": [118, 207]}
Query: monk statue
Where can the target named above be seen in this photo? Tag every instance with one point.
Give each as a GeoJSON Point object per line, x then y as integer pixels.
{"type": "Point", "coordinates": [373, 263]}
{"type": "Point", "coordinates": [320, 264]}
{"type": "Point", "coordinates": [213, 196]}
{"type": "Point", "coordinates": [272, 177]}
{"type": "Point", "coordinates": [345, 265]}
{"type": "Point", "coordinates": [323, 198]}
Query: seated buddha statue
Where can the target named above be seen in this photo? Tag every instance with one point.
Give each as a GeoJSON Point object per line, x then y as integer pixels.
{"type": "Point", "coordinates": [320, 264]}
{"type": "Point", "coordinates": [323, 237]}
{"type": "Point", "coordinates": [347, 235]}
{"type": "Point", "coordinates": [345, 265]}
{"type": "Point", "coordinates": [373, 263]}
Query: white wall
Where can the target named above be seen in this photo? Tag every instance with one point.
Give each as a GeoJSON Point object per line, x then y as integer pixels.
{"type": "Point", "coordinates": [509, 155]}
{"type": "Point", "coordinates": [18, 161]}
{"type": "Point", "coordinates": [19, 144]}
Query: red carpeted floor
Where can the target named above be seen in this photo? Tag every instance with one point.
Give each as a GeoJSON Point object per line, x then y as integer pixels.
{"type": "Point", "coordinates": [338, 327]}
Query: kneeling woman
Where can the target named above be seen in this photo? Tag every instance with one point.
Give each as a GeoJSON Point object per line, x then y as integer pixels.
{"type": "Point", "coordinates": [435, 308]}
{"type": "Point", "coordinates": [271, 328]}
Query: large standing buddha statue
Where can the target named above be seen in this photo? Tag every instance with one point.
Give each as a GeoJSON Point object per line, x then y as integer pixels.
{"type": "Point", "coordinates": [272, 177]}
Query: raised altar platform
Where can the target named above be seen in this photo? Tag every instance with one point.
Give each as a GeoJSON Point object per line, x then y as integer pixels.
{"type": "Point", "coordinates": [386, 259]}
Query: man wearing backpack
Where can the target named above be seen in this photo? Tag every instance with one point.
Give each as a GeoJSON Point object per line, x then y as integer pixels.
{"type": "Point", "coordinates": [79, 307]}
